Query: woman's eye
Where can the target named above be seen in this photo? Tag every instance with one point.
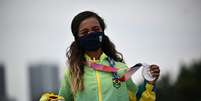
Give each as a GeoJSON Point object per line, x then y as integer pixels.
{"type": "Point", "coordinates": [96, 29]}
{"type": "Point", "coordinates": [83, 33]}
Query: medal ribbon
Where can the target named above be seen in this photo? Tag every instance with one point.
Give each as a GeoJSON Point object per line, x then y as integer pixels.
{"type": "Point", "coordinates": [104, 68]}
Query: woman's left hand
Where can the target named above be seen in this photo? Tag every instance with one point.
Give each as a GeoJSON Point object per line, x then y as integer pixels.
{"type": "Point", "coordinates": [155, 72]}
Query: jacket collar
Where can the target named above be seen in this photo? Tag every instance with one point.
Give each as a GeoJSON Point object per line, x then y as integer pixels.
{"type": "Point", "coordinates": [102, 57]}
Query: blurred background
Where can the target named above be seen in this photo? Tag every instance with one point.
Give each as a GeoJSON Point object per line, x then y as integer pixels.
{"type": "Point", "coordinates": [34, 36]}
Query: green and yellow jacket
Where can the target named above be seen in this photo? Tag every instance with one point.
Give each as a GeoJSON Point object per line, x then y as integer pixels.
{"type": "Point", "coordinates": [98, 86]}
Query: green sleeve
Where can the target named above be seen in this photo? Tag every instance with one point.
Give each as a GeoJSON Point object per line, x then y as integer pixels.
{"type": "Point", "coordinates": [129, 83]}
{"type": "Point", "coordinates": [131, 86]}
{"type": "Point", "coordinates": [65, 89]}
{"type": "Point", "coordinates": [131, 90]}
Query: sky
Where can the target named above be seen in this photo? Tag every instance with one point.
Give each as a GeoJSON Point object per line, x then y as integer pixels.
{"type": "Point", "coordinates": [163, 32]}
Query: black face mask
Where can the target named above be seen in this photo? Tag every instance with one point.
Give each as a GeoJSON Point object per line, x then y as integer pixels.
{"type": "Point", "coordinates": [92, 41]}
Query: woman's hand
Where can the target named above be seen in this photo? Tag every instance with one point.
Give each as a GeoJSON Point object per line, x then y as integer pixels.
{"type": "Point", "coordinates": [155, 72]}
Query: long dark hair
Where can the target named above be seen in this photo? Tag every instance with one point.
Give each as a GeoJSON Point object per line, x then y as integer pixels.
{"type": "Point", "coordinates": [75, 54]}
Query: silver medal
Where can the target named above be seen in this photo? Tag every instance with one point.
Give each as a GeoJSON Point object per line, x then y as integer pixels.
{"type": "Point", "coordinates": [146, 73]}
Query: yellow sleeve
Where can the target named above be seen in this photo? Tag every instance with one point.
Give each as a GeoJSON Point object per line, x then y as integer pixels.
{"type": "Point", "coordinates": [148, 94]}
{"type": "Point", "coordinates": [132, 96]}
{"type": "Point", "coordinates": [51, 97]}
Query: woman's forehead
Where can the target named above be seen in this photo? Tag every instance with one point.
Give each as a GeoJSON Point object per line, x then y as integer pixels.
{"type": "Point", "coordinates": [89, 22]}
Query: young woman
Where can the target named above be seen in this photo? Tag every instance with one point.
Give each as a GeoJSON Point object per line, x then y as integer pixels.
{"type": "Point", "coordinates": [84, 83]}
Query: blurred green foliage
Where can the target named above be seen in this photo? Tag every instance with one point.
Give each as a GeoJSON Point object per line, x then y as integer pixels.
{"type": "Point", "coordinates": [187, 87]}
